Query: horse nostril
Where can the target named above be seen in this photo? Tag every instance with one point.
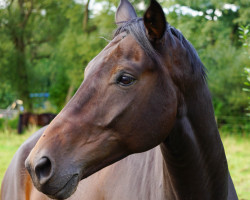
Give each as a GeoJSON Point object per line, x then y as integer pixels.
{"type": "Point", "coordinates": [43, 170]}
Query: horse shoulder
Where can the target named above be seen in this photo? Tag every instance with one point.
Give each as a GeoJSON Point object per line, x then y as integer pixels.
{"type": "Point", "coordinates": [17, 184]}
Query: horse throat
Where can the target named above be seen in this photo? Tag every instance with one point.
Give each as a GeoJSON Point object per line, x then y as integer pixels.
{"type": "Point", "coordinates": [195, 164]}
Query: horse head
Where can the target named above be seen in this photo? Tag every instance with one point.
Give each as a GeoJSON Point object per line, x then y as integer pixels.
{"type": "Point", "coordinates": [126, 104]}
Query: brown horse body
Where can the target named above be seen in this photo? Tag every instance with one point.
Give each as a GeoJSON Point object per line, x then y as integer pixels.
{"type": "Point", "coordinates": [145, 92]}
{"type": "Point", "coordinates": [26, 119]}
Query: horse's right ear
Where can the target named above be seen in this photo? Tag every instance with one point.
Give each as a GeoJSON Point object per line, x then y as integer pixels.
{"type": "Point", "coordinates": [154, 21]}
{"type": "Point", "coordinates": [125, 12]}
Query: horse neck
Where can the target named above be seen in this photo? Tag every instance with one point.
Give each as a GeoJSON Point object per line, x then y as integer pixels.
{"type": "Point", "coordinates": [195, 165]}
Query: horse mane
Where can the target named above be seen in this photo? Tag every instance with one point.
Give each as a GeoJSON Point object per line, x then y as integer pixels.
{"type": "Point", "coordinates": [136, 28]}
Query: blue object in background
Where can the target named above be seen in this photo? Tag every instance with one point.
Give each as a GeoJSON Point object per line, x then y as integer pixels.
{"type": "Point", "coordinates": [45, 94]}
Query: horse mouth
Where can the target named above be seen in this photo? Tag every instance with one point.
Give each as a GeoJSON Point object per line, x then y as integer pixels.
{"type": "Point", "coordinates": [70, 186]}
{"type": "Point", "coordinates": [68, 189]}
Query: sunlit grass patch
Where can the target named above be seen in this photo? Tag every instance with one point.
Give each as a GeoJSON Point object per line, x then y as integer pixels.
{"type": "Point", "coordinates": [238, 155]}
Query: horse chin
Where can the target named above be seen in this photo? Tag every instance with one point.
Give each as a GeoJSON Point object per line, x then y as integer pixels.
{"type": "Point", "coordinates": [88, 170]}
{"type": "Point", "coordinates": [67, 190]}
{"type": "Point", "coordinates": [71, 185]}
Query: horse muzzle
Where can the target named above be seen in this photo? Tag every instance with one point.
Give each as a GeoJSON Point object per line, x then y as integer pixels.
{"type": "Point", "coordinates": [46, 180]}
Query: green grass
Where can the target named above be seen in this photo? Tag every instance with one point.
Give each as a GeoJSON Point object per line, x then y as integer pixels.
{"type": "Point", "coordinates": [237, 151]}
{"type": "Point", "coordinates": [238, 155]}
{"type": "Point", "coordinates": [10, 141]}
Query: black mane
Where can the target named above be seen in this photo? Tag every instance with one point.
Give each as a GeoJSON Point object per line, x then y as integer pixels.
{"type": "Point", "coordinates": [135, 27]}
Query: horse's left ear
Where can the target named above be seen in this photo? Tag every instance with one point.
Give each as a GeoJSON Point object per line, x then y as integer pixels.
{"type": "Point", "coordinates": [154, 21]}
{"type": "Point", "coordinates": [125, 12]}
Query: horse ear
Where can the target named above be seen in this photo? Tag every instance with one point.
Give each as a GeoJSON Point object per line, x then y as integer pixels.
{"type": "Point", "coordinates": [124, 12]}
{"type": "Point", "coordinates": [154, 21]}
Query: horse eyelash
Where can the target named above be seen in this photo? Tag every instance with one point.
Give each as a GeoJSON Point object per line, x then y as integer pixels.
{"type": "Point", "coordinates": [107, 40]}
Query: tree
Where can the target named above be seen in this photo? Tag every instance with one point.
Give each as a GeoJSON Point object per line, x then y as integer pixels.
{"type": "Point", "coordinates": [32, 27]}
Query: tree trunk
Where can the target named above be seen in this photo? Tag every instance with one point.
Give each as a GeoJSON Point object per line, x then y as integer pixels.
{"type": "Point", "coordinates": [22, 82]}
{"type": "Point", "coordinates": [21, 79]}
{"type": "Point", "coordinates": [86, 16]}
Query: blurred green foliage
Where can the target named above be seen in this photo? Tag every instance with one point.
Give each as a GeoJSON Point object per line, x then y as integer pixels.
{"type": "Point", "coordinates": [2, 120]}
{"type": "Point", "coordinates": [8, 124]}
{"type": "Point", "coordinates": [244, 32]}
{"type": "Point", "coordinates": [12, 123]}
{"type": "Point", "coordinates": [45, 46]}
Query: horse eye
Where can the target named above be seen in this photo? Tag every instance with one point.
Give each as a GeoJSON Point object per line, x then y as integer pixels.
{"type": "Point", "coordinates": [125, 80]}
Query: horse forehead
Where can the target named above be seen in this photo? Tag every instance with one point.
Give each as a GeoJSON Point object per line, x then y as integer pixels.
{"type": "Point", "coordinates": [122, 48]}
{"type": "Point", "coordinates": [130, 48]}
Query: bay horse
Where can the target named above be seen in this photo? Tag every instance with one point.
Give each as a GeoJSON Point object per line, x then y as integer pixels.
{"type": "Point", "coordinates": [141, 126]}
{"type": "Point", "coordinates": [27, 118]}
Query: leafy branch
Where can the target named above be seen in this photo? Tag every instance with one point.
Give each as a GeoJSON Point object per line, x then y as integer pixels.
{"type": "Point", "coordinates": [244, 35]}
